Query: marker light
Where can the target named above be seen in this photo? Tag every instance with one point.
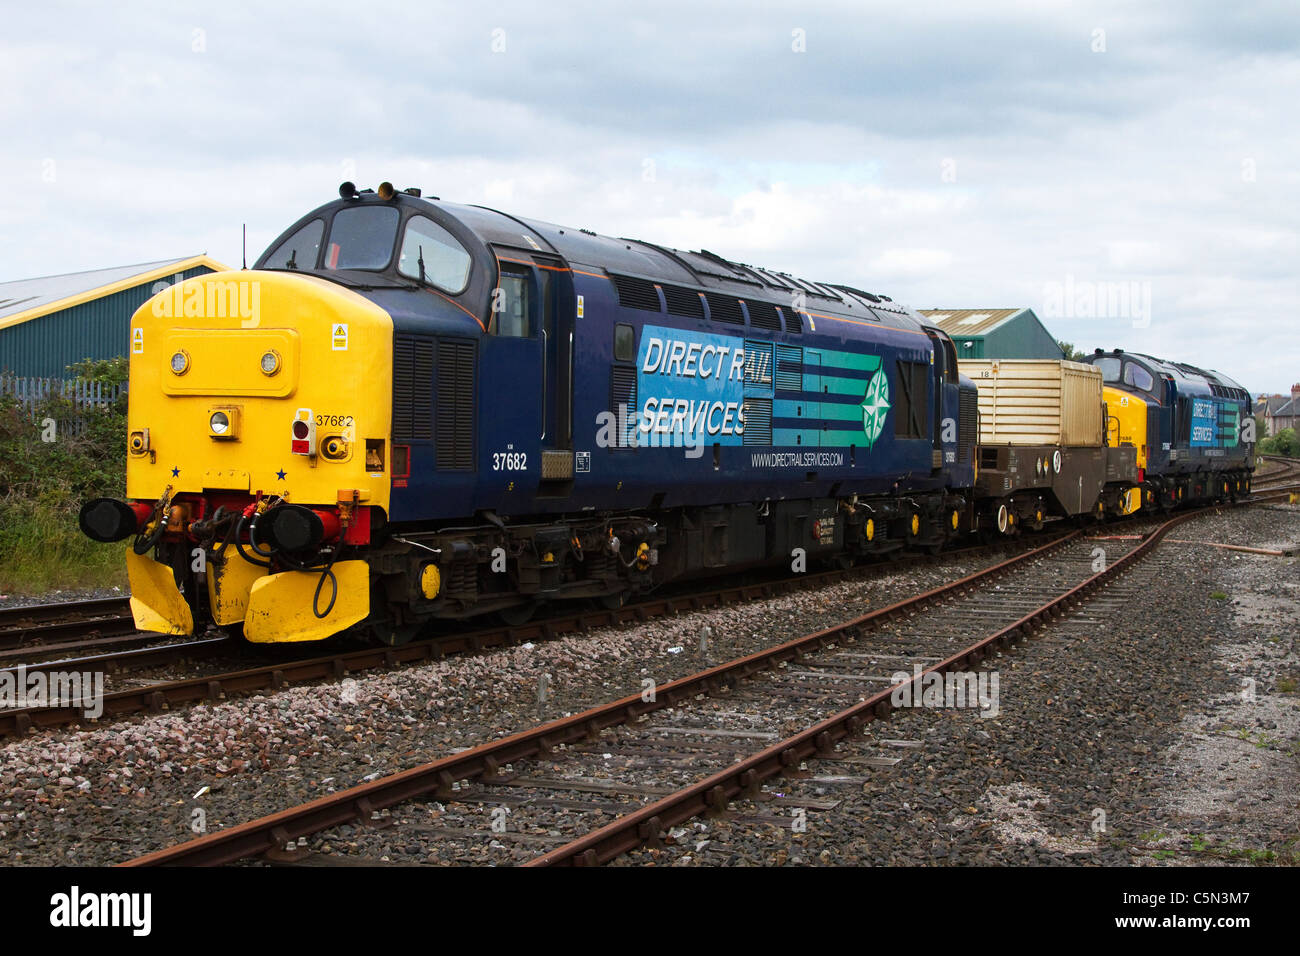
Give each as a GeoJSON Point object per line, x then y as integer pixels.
{"type": "Point", "coordinates": [180, 362]}
{"type": "Point", "coordinates": [270, 362]}
{"type": "Point", "coordinates": [219, 423]}
{"type": "Point", "coordinates": [304, 433]}
{"type": "Point", "coordinates": [386, 191]}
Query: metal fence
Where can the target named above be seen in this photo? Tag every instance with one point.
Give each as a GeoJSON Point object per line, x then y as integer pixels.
{"type": "Point", "coordinates": [31, 393]}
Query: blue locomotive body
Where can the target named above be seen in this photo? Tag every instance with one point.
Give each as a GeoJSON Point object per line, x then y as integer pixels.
{"type": "Point", "coordinates": [616, 375]}
{"type": "Point", "coordinates": [549, 383]}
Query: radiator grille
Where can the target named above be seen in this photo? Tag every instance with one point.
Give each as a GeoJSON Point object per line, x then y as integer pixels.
{"type": "Point", "coordinates": [789, 368]}
{"type": "Point", "coordinates": [793, 321]}
{"type": "Point", "coordinates": [968, 422]}
{"type": "Point", "coordinates": [455, 405]}
{"type": "Point", "coordinates": [758, 421]}
{"type": "Point", "coordinates": [412, 388]}
{"type": "Point", "coordinates": [622, 401]}
{"type": "Point", "coordinates": [758, 363]}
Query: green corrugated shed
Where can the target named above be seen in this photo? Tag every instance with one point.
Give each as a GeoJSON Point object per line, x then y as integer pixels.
{"type": "Point", "coordinates": [49, 323]}
{"type": "Point", "coordinates": [996, 333]}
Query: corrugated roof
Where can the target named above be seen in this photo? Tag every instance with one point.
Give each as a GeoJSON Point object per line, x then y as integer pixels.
{"type": "Point", "coordinates": [24, 299]}
{"type": "Point", "coordinates": [965, 323]}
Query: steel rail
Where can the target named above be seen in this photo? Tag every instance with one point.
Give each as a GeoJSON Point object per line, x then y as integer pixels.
{"type": "Point", "coordinates": [358, 804]}
{"type": "Point", "coordinates": [714, 792]}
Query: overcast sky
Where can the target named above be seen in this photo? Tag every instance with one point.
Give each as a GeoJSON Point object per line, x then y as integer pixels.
{"type": "Point", "coordinates": [1127, 170]}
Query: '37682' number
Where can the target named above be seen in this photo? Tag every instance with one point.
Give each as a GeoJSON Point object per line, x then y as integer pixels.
{"type": "Point", "coordinates": [510, 461]}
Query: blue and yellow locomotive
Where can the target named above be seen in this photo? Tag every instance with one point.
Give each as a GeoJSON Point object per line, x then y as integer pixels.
{"type": "Point", "coordinates": [1192, 428]}
{"type": "Point", "coordinates": [412, 410]}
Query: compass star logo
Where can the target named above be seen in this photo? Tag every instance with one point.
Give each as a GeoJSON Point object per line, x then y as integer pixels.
{"type": "Point", "coordinates": [875, 404]}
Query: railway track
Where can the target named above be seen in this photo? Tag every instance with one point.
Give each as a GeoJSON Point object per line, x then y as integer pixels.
{"type": "Point", "coordinates": [1284, 470]}
{"type": "Point", "coordinates": [283, 671]}
{"type": "Point", "coordinates": [653, 761]}
{"type": "Point", "coordinates": [65, 625]}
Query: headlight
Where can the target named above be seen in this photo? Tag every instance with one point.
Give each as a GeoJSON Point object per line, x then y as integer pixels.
{"type": "Point", "coordinates": [270, 362]}
{"type": "Point", "coordinates": [219, 423]}
{"type": "Point", "coordinates": [180, 362]}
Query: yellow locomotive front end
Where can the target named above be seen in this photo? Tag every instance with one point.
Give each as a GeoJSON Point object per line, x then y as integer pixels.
{"type": "Point", "coordinates": [258, 423]}
{"type": "Point", "coordinates": [1126, 424]}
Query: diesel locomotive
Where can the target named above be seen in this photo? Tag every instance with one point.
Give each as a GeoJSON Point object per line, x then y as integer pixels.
{"type": "Point", "coordinates": [413, 410]}
{"type": "Point", "coordinates": [1192, 428]}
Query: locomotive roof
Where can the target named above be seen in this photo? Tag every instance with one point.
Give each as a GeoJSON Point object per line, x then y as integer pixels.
{"type": "Point", "coordinates": [1179, 371]}
{"type": "Point", "coordinates": [645, 260]}
{"type": "Point", "coordinates": [585, 250]}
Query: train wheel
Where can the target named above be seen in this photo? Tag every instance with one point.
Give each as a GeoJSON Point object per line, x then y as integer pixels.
{"type": "Point", "coordinates": [612, 602]}
{"type": "Point", "coordinates": [518, 615]}
{"type": "Point", "coordinates": [385, 632]}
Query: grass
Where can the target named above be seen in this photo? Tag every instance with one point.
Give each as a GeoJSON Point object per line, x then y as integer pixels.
{"type": "Point", "coordinates": [1286, 685]}
{"type": "Point", "coordinates": [42, 550]}
{"type": "Point", "coordinates": [1219, 596]}
{"type": "Point", "coordinates": [1200, 845]}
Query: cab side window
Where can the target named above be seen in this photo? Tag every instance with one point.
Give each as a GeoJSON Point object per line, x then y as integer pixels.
{"type": "Point", "coordinates": [510, 305]}
{"type": "Point", "coordinates": [1138, 377]}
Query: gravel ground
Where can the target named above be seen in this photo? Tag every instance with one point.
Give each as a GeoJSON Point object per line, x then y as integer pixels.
{"type": "Point", "coordinates": [109, 793]}
{"type": "Point", "coordinates": [60, 597]}
{"type": "Point", "coordinates": [1114, 745]}
{"type": "Point", "coordinates": [1103, 752]}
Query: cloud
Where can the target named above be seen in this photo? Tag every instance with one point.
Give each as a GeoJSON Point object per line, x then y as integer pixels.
{"type": "Point", "coordinates": [959, 156]}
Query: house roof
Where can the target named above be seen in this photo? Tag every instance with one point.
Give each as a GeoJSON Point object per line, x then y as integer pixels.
{"type": "Point", "coordinates": [25, 299]}
{"type": "Point", "coordinates": [968, 323]}
{"type": "Point", "coordinates": [1272, 404]}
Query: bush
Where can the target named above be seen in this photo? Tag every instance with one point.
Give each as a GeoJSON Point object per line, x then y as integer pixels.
{"type": "Point", "coordinates": [1285, 443]}
{"type": "Point", "coordinates": [44, 483]}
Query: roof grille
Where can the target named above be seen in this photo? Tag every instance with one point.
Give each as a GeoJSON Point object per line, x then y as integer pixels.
{"type": "Point", "coordinates": [723, 308]}
{"type": "Point", "coordinates": [864, 295]}
{"type": "Point", "coordinates": [685, 302]}
{"type": "Point", "coordinates": [763, 315]}
{"type": "Point", "coordinates": [636, 293]}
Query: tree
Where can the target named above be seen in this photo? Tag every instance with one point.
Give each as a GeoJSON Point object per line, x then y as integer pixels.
{"type": "Point", "coordinates": [1071, 354]}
